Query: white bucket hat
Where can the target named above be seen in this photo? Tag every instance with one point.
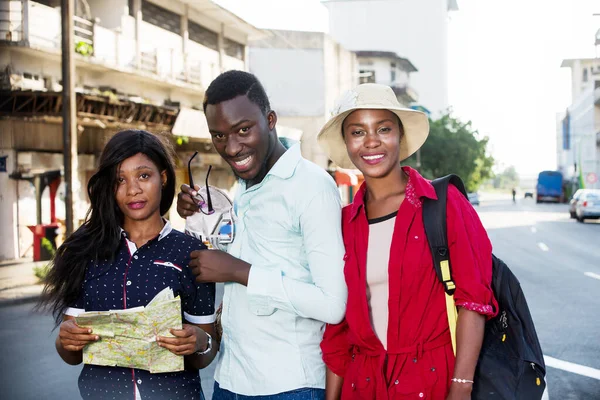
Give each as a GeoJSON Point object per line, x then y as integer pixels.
{"type": "Point", "coordinates": [371, 96]}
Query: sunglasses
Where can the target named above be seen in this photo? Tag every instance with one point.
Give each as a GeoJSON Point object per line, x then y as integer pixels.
{"type": "Point", "coordinates": [205, 206]}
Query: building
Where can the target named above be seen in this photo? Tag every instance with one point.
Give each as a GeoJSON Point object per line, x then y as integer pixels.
{"type": "Point", "coordinates": [416, 29]}
{"type": "Point", "coordinates": [139, 64]}
{"type": "Point", "coordinates": [578, 128]}
{"type": "Point", "coordinates": [388, 68]}
{"type": "Point", "coordinates": [303, 73]}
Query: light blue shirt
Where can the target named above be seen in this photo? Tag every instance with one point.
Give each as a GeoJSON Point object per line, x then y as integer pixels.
{"type": "Point", "coordinates": [289, 228]}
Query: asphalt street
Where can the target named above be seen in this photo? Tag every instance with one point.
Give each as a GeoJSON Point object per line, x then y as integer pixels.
{"type": "Point", "coordinates": [556, 259]}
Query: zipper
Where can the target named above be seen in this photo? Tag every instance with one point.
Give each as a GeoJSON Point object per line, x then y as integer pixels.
{"type": "Point", "coordinates": [538, 381]}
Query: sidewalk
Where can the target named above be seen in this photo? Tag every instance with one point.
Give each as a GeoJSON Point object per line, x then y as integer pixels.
{"type": "Point", "coordinates": [18, 283]}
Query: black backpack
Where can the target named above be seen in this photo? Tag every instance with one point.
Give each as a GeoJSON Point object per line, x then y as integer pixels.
{"type": "Point", "coordinates": [511, 364]}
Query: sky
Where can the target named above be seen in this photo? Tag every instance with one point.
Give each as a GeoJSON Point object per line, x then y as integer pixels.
{"type": "Point", "coordinates": [504, 61]}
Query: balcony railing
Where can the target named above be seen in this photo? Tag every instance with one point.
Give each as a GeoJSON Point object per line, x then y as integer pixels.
{"type": "Point", "coordinates": [31, 24]}
{"type": "Point", "coordinates": [38, 25]}
{"type": "Point", "coordinates": [149, 62]}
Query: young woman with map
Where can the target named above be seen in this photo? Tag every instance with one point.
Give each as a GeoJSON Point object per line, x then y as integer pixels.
{"type": "Point", "coordinates": [121, 258]}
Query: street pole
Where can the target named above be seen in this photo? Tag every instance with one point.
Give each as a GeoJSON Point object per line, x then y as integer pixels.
{"type": "Point", "coordinates": [69, 115]}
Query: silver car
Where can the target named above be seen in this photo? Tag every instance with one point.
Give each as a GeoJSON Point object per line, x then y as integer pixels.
{"type": "Point", "coordinates": [573, 201]}
{"type": "Point", "coordinates": [588, 205]}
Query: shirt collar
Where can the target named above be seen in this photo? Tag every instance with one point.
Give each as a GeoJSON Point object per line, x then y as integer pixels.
{"type": "Point", "coordinates": [286, 165]}
{"type": "Point", "coordinates": [166, 229]}
{"type": "Point", "coordinates": [420, 186]}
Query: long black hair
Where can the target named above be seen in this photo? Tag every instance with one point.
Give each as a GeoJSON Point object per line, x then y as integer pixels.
{"type": "Point", "coordinates": [99, 236]}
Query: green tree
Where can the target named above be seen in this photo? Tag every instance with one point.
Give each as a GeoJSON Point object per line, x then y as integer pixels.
{"type": "Point", "coordinates": [455, 147]}
{"type": "Point", "coordinates": [507, 179]}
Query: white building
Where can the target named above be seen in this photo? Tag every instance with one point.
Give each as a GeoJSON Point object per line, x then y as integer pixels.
{"type": "Point", "coordinates": [139, 64]}
{"type": "Point", "coordinates": [416, 29]}
{"type": "Point", "coordinates": [578, 128]}
{"type": "Point", "coordinates": [303, 73]}
{"type": "Point", "coordinates": [388, 68]}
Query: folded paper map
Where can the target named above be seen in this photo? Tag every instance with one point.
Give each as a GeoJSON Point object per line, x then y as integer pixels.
{"type": "Point", "coordinates": [128, 337]}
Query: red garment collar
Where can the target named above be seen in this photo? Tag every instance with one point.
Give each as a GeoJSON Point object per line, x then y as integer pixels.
{"type": "Point", "coordinates": [416, 188]}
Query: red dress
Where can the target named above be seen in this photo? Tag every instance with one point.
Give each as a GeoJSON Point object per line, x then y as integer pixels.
{"type": "Point", "coordinates": [419, 361]}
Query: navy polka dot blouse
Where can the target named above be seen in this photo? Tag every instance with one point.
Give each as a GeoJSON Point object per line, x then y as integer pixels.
{"type": "Point", "coordinates": [132, 279]}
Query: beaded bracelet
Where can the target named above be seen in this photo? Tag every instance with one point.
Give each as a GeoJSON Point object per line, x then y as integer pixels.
{"type": "Point", "coordinates": [461, 380]}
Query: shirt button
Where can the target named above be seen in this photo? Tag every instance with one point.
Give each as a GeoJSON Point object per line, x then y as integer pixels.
{"type": "Point", "coordinates": [136, 257]}
{"type": "Point", "coordinates": [421, 395]}
{"type": "Point", "coordinates": [139, 381]}
{"type": "Point", "coordinates": [433, 369]}
{"type": "Point", "coordinates": [128, 283]}
{"type": "Point", "coordinates": [415, 360]}
{"type": "Point", "coordinates": [396, 382]}
{"type": "Point", "coordinates": [353, 385]}
{"type": "Point", "coordinates": [416, 237]}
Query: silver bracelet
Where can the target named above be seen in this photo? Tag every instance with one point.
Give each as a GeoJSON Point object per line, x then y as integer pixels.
{"type": "Point", "coordinates": [458, 380]}
{"type": "Point", "coordinates": [208, 346]}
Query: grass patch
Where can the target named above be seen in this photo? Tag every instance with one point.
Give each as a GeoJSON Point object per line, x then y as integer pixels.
{"type": "Point", "coordinates": [41, 271]}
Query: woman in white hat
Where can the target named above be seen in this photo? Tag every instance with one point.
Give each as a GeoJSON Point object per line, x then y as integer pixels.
{"type": "Point", "coordinates": [395, 341]}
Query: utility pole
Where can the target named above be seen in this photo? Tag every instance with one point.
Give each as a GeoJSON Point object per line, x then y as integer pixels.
{"type": "Point", "coordinates": [69, 114]}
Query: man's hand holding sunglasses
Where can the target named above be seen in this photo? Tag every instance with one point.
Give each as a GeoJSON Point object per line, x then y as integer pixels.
{"type": "Point", "coordinates": [186, 205]}
{"type": "Point", "coordinates": [218, 266]}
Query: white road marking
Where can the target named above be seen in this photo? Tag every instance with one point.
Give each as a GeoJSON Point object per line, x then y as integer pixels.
{"type": "Point", "coordinates": [533, 229]}
{"type": "Point", "coordinates": [572, 367]}
{"type": "Point", "coordinates": [592, 275]}
{"type": "Point", "coordinates": [545, 396]}
{"type": "Point", "coordinates": [543, 246]}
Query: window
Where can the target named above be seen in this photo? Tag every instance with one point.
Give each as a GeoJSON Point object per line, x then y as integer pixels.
{"type": "Point", "coordinates": [566, 131]}
{"type": "Point", "coordinates": [393, 76]}
{"type": "Point", "coordinates": [160, 17]}
{"type": "Point", "coordinates": [234, 49]}
{"type": "Point", "coordinates": [585, 75]}
{"type": "Point", "coordinates": [204, 36]}
{"type": "Point", "coordinates": [367, 76]}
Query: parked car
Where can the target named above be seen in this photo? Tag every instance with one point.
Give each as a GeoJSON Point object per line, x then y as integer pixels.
{"type": "Point", "coordinates": [573, 201]}
{"type": "Point", "coordinates": [474, 198]}
{"type": "Point", "coordinates": [528, 194]}
{"type": "Point", "coordinates": [588, 205]}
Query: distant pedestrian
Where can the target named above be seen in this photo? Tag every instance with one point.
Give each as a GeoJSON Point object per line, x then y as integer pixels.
{"type": "Point", "coordinates": [395, 342]}
{"type": "Point", "coordinates": [514, 195]}
{"type": "Point", "coordinates": [120, 258]}
{"type": "Point", "coordinates": [283, 273]}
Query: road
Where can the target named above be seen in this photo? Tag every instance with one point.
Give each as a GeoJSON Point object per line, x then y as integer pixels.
{"type": "Point", "coordinates": [550, 254]}
{"type": "Point", "coordinates": [556, 259]}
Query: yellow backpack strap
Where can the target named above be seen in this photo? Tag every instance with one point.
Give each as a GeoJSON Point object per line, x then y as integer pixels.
{"type": "Point", "coordinates": [434, 220]}
{"type": "Point", "coordinates": [450, 305]}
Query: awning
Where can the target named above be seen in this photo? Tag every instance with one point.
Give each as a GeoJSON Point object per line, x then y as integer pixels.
{"type": "Point", "coordinates": [226, 17]}
{"type": "Point", "coordinates": [191, 123]}
{"type": "Point", "coordinates": [347, 177]}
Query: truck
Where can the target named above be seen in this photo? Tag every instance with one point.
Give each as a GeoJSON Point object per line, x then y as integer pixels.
{"type": "Point", "coordinates": [549, 186]}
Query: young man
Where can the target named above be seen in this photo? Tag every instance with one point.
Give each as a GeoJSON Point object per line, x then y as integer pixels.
{"type": "Point", "coordinates": [283, 273]}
